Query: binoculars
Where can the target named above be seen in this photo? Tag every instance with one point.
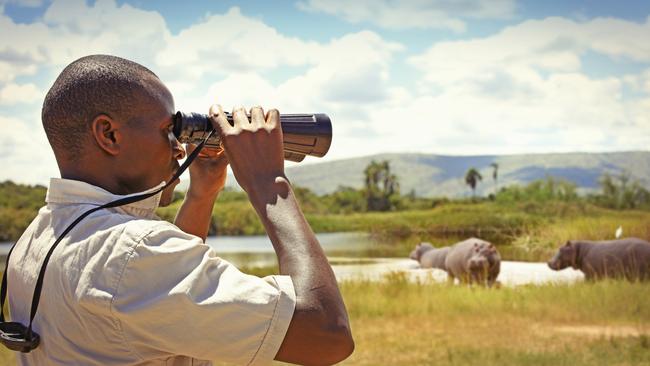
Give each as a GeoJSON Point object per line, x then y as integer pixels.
{"type": "Point", "coordinates": [303, 134]}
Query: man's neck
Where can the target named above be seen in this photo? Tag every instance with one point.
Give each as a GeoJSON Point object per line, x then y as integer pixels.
{"type": "Point", "coordinates": [91, 175]}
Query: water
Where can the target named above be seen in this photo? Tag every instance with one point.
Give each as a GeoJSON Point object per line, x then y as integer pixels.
{"type": "Point", "coordinates": [356, 256]}
{"type": "Point", "coordinates": [257, 251]}
{"type": "Point", "coordinates": [511, 274]}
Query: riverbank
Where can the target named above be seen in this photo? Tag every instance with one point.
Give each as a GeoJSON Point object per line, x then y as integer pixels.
{"type": "Point", "coordinates": [522, 231]}
{"type": "Point", "coordinates": [511, 274]}
{"type": "Point", "coordinates": [353, 257]}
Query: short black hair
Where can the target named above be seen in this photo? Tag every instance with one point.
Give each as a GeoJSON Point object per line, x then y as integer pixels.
{"type": "Point", "coordinates": [88, 87]}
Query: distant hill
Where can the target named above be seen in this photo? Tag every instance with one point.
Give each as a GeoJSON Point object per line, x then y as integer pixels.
{"type": "Point", "coordinates": [432, 175]}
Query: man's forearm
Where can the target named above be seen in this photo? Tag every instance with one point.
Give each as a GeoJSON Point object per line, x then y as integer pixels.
{"type": "Point", "coordinates": [293, 240]}
{"type": "Point", "coordinates": [299, 253]}
{"type": "Point", "coordinates": [195, 214]}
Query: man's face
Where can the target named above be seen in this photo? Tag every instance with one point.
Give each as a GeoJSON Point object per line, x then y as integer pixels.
{"type": "Point", "coordinates": [150, 151]}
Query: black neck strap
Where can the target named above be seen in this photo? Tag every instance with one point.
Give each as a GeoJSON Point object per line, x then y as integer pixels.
{"type": "Point", "coordinates": [120, 202]}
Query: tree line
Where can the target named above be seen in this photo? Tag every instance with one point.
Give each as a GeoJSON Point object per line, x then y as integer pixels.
{"type": "Point", "coordinates": [380, 193]}
{"type": "Point", "coordinates": [617, 191]}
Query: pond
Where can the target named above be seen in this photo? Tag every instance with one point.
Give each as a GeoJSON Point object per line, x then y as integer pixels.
{"type": "Point", "coordinates": [360, 256]}
{"type": "Point", "coordinates": [257, 251]}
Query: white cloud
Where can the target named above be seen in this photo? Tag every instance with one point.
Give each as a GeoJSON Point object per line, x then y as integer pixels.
{"type": "Point", "coordinates": [105, 28]}
{"type": "Point", "coordinates": [343, 77]}
{"type": "Point", "coordinates": [232, 43]}
{"type": "Point", "coordinates": [70, 29]}
{"type": "Point", "coordinates": [644, 81]}
{"type": "Point", "coordinates": [351, 73]}
{"type": "Point", "coordinates": [564, 117]}
{"type": "Point", "coordinates": [520, 90]}
{"type": "Point", "coordinates": [423, 14]}
{"type": "Point", "coordinates": [15, 93]}
{"type": "Point", "coordinates": [25, 154]}
{"type": "Point", "coordinates": [524, 89]}
{"type": "Point", "coordinates": [551, 45]}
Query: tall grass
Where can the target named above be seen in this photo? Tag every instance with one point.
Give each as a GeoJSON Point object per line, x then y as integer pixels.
{"type": "Point", "coordinates": [396, 322]}
{"type": "Point", "coordinates": [539, 243]}
{"type": "Point", "coordinates": [400, 323]}
{"type": "Point", "coordinates": [599, 303]}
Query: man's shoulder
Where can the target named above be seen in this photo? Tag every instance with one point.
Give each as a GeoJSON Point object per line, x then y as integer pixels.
{"type": "Point", "coordinates": [140, 229]}
{"type": "Point", "coordinates": [116, 224]}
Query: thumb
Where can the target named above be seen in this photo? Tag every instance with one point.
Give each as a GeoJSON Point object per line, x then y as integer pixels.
{"type": "Point", "coordinates": [218, 119]}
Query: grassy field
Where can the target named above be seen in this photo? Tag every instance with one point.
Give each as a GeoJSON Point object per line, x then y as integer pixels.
{"type": "Point", "coordinates": [400, 323]}
{"type": "Point", "coordinates": [396, 322]}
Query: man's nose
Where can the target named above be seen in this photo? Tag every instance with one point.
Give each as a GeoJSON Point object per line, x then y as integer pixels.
{"type": "Point", "coordinates": [179, 151]}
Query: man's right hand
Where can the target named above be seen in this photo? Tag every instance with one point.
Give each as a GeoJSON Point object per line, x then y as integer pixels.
{"type": "Point", "coordinates": [253, 147]}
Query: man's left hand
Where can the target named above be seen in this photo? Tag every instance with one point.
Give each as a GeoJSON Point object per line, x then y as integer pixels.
{"type": "Point", "coordinates": [207, 172]}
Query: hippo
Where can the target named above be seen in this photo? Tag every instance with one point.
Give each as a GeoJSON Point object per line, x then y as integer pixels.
{"type": "Point", "coordinates": [473, 261]}
{"type": "Point", "coordinates": [430, 257]}
{"type": "Point", "coordinates": [623, 258]}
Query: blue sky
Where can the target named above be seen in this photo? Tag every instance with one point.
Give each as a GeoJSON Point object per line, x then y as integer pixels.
{"type": "Point", "coordinates": [432, 76]}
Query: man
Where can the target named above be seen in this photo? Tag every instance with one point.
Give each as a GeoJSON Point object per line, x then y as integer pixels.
{"type": "Point", "coordinates": [126, 288]}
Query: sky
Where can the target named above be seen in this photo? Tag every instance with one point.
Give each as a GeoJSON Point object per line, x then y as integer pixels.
{"type": "Point", "coordinates": [459, 77]}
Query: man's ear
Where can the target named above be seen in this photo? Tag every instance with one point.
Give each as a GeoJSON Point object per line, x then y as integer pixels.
{"type": "Point", "coordinates": [106, 133]}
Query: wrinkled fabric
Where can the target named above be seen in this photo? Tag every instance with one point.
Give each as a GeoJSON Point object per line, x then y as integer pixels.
{"type": "Point", "coordinates": [125, 288]}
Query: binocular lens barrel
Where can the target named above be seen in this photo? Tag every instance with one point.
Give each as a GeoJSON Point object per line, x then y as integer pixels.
{"type": "Point", "coordinates": [303, 134]}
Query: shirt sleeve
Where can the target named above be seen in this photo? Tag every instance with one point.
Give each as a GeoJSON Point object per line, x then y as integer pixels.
{"type": "Point", "coordinates": [176, 297]}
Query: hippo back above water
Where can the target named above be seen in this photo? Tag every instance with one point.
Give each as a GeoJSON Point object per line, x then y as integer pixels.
{"type": "Point", "coordinates": [430, 257]}
{"type": "Point", "coordinates": [473, 261]}
{"type": "Point", "coordinates": [624, 258]}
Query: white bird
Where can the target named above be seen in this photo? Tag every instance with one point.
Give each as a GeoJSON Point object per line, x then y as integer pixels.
{"type": "Point", "coordinates": [619, 232]}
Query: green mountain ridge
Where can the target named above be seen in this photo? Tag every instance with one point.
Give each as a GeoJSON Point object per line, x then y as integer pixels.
{"type": "Point", "coordinates": [432, 175]}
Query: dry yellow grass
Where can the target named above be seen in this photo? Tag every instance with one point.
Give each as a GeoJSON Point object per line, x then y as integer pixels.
{"type": "Point", "coordinates": [400, 323]}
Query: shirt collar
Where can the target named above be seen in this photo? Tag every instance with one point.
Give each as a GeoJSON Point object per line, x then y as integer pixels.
{"type": "Point", "coordinates": [70, 192]}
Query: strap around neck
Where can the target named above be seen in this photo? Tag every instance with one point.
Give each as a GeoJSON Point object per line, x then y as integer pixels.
{"type": "Point", "coordinates": [120, 202]}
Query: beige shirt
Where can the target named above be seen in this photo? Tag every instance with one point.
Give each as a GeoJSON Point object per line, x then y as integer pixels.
{"type": "Point", "coordinates": [124, 288]}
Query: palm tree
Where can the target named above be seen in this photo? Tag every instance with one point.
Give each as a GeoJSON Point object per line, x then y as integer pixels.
{"type": "Point", "coordinates": [472, 177]}
{"type": "Point", "coordinates": [381, 184]}
{"type": "Point", "coordinates": [495, 176]}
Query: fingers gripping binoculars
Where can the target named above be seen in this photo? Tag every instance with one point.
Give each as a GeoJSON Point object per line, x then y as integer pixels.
{"type": "Point", "coordinates": [303, 134]}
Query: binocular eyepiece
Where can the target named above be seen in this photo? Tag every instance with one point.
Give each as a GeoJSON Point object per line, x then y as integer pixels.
{"type": "Point", "coordinates": [303, 134]}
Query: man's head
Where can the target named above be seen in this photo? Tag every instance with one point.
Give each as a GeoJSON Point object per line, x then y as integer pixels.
{"type": "Point", "coordinates": [108, 121]}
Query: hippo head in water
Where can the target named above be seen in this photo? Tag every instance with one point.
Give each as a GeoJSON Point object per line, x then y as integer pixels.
{"type": "Point", "coordinates": [565, 257]}
{"type": "Point", "coordinates": [419, 250]}
{"type": "Point", "coordinates": [484, 256]}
